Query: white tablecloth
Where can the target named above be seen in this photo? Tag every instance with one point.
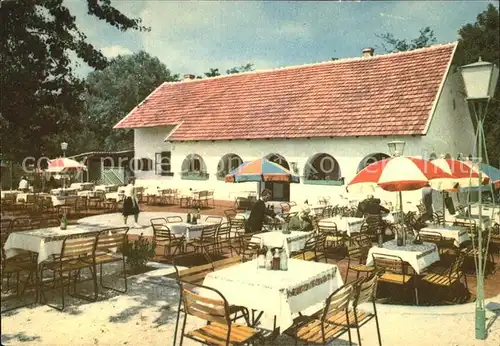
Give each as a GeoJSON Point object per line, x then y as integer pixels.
{"type": "Point", "coordinates": [277, 293]}
{"type": "Point", "coordinates": [348, 224]}
{"type": "Point", "coordinates": [188, 230]}
{"type": "Point", "coordinates": [45, 241]}
{"type": "Point", "coordinates": [116, 196]}
{"type": "Point", "coordinates": [492, 213]}
{"type": "Point", "coordinates": [418, 256]}
{"type": "Point", "coordinates": [458, 234]}
{"type": "Point", "coordinates": [295, 241]}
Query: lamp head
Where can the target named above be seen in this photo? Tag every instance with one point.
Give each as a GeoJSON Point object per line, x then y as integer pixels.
{"type": "Point", "coordinates": [396, 148]}
{"type": "Point", "coordinates": [64, 146]}
{"type": "Point", "coordinates": [480, 79]}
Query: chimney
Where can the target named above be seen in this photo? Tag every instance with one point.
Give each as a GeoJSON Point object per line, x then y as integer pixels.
{"type": "Point", "coordinates": [189, 76]}
{"type": "Point", "coordinates": [368, 52]}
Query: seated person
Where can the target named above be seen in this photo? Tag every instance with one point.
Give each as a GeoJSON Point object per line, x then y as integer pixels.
{"type": "Point", "coordinates": [375, 208]}
{"type": "Point", "coordinates": [23, 185]}
{"type": "Point", "coordinates": [259, 213]}
{"type": "Point", "coordinates": [301, 222]}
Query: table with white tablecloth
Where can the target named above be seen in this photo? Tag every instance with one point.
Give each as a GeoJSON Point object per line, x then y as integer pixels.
{"type": "Point", "coordinates": [458, 234]}
{"type": "Point", "coordinates": [492, 212]}
{"type": "Point", "coordinates": [188, 230]}
{"type": "Point", "coordinates": [45, 241]}
{"type": "Point", "coordinates": [348, 224]}
{"type": "Point", "coordinates": [295, 241]}
{"type": "Point", "coordinates": [418, 256]}
{"type": "Point", "coordinates": [473, 219]}
{"type": "Point", "coordinates": [305, 286]}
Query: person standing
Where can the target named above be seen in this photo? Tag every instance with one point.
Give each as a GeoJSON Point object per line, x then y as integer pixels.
{"type": "Point", "coordinates": [427, 202]}
{"type": "Point", "coordinates": [259, 213]}
{"type": "Point", "coordinates": [131, 203]}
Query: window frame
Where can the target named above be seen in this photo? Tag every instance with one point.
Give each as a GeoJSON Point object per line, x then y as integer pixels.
{"type": "Point", "coordinates": [162, 168]}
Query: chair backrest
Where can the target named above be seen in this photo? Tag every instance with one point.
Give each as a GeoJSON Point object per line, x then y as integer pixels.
{"type": "Point", "coordinates": [194, 274]}
{"type": "Point", "coordinates": [224, 231]}
{"type": "Point", "coordinates": [78, 245]}
{"type": "Point", "coordinates": [365, 290]}
{"type": "Point", "coordinates": [337, 301]}
{"type": "Point", "coordinates": [214, 219]}
{"type": "Point", "coordinates": [237, 224]}
{"type": "Point", "coordinates": [174, 219]}
{"type": "Point", "coordinates": [230, 213]}
{"type": "Point", "coordinates": [161, 232]}
{"type": "Point", "coordinates": [21, 224]}
{"type": "Point", "coordinates": [363, 240]}
{"type": "Point", "coordinates": [209, 232]}
{"type": "Point", "coordinates": [455, 270]}
{"type": "Point", "coordinates": [328, 227]}
{"type": "Point", "coordinates": [388, 263]}
{"type": "Point", "coordinates": [112, 238]}
{"type": "Point", "coordinates": [214, 309]}
{"type": "Point", "coordinates": [430, 236]}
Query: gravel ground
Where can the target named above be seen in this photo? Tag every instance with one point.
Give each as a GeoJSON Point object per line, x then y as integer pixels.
{"type": "Point", "coordinates": [146, 314]}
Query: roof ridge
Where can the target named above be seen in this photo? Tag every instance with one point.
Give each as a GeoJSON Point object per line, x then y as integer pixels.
{"type": "Point", "coordinates": [339, 61]}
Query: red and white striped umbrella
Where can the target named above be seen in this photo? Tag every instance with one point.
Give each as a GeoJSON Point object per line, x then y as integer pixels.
{"type": "Point", "coordinates": [400, 174]}
{"type": "Point", "coordinates": [463, 174]}
{"type": "Point", "coordinates": [63, 164]}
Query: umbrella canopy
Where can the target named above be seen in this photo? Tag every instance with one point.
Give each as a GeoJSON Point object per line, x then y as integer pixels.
{"type": "Point", "coordinates": [63, 164]}
{"type": "Point", "coordinates": [491, 172]}
{"type": "Point", "coordinates": [400, 174]}
{"type": "Point", "coordinates": [465, 175]}
{"type": "Point", "coordinates": [261, 170]}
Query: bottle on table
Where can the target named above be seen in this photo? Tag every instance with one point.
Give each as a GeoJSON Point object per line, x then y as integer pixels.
{"type": "Point", "coordinates": [261, 256]}
{"type": "Point", "coordinates": [276, 260]}
{"type": "Point", "coordinates": [269, 259]}
{"type": "Point", "coordinates": [284, 258]}
{"type": "Point", "coordinates": [188, 220]}
{"type": "Point", "coordinates": [64, 222]}
{"type": "Point", "coordinates": [198, 215]}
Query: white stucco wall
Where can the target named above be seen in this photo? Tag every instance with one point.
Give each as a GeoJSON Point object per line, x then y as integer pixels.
{"type": "Point", "coordinates": [450, 131]}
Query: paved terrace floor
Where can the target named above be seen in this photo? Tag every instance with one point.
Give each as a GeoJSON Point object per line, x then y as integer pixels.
{"type": "Point", "coordinates": [146, 314]}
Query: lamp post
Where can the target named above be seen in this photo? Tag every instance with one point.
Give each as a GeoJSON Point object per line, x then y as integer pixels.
{"type": "Point", "coordinates": [64, 147]}
{"type": "Point", "coordinates": [480, 80]}
{"type": "Point", "coordinates": [396, 148]}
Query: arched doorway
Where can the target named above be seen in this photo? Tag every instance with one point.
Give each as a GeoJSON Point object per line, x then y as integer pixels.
{"type": "Point", "coordinates": [321, 167]}
{"type": "Point", "coordinates": [280, 190]}
{"type": "Point", "coordinates": [372, 158]}
{"type": "Point", "coordinates": [227, 163]}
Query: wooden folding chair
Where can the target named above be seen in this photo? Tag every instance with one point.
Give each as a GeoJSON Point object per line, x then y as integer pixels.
{"type": "Point", "coordinates": [163, 237]}
{"type": "Point", "coordinates": [320, 328]}
{"type": "Point", "coordinates": [315, 249]}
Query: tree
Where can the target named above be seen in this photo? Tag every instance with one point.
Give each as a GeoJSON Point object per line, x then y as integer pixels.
{"type": "Point", "coordinates": [482, 39]}
{"type": "Point", "coordinates": [243, 68]}
{"type": "Point", "coordinates": [213, 72]}
{"type": "Point", "coordinates": [392, 44]}
{"type": "Point", "coordinates": [113, 92]}
{"type": "Point", "coordinates": [40, 96]}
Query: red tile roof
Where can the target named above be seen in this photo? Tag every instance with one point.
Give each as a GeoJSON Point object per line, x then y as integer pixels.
{"type": "Point", "coordinates": [389, 94]}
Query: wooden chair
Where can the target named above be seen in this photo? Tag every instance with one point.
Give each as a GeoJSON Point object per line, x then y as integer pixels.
{"type": "Point", "coordinates": [224, 238]}
{"type": "Point", "coordinates": [163, 237]}
{"type": "Point", "coordinates": [247, 246]}
{"type": "Point", "coordinates": [333, 235]}
{"type": "Point", "coordinates": [110, 244]}
{"type": "Point", "coordinates": [364, 292]}
{"type": "Point", "coordinates": [207, 241]}
{"type": "Point", "coordinates": [230, 213]}
{"type": "Point", "coordinates": [393, 270]}
{"type": "Point", "coordinates": [220, 330]}
{"type": "Point", "coordinates": [314, 250]}
{"type": "Point", "coordinates": [450, 277]}
{"type": "Point", "coordinates": [77, 253]}
{"type": "Point", "coordinates": [356, 260]}
{"type": "Point", "coordinates": [317, 329]}
{"type": "Point", "coordinates": [436, 238]}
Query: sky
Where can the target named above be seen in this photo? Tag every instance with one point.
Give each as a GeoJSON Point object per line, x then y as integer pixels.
{"type": "Point", "coordinates": [194, 36]}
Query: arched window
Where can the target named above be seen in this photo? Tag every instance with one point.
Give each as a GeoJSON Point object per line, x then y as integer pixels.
{"type": "Point", "coordinates": [372, 158]}
{"type": "Point", "coordinates": [321, 168]}
{"type": "Point", "coordinates": [279, 159]}
{"type": "Point", "coordinates": [194, 168]}
{"type": "Point", "coordinates": [227, 163]}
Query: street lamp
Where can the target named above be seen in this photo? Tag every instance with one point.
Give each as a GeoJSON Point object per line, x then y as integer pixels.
{"type": "Point", "coordinates": [396, 148]}
{"type": "Point", "coordinates": [64, 147]}
{"type": "Point", "coordinates": [480, 80]}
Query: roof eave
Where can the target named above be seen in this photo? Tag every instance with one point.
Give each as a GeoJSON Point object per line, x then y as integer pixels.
{"type": "Point", "coordinates": [440, 91]}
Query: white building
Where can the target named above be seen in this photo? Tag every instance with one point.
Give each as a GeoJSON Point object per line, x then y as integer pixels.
{"type": "Point", "coordinates": [324, 121]}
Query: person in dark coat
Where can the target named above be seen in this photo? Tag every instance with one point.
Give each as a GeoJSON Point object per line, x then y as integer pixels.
{"type": "Point", "coordinates": [259, 213]}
